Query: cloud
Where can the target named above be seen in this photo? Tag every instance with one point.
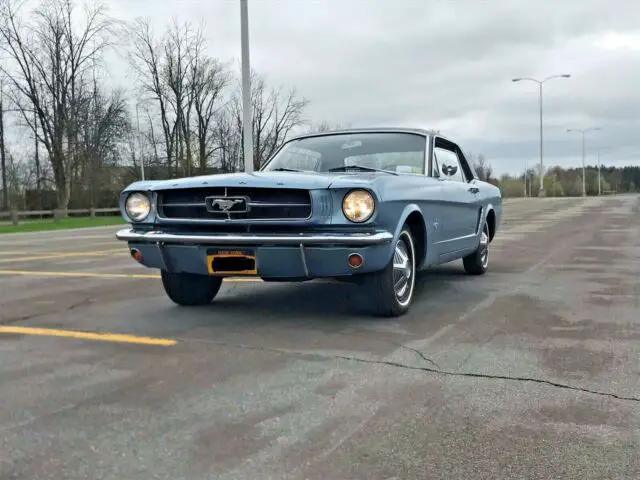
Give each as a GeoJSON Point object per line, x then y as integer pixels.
{"type": "Point", "coordinates": [442, 64]}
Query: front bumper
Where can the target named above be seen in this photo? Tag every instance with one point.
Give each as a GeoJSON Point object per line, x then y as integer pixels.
{"type": "Point", "coordinates": [131, 235]}
{"type": "Point", "coordinates": [305, 255]}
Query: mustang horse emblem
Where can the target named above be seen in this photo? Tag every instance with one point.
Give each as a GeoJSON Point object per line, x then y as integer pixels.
{"type": "Point", "coordinates": [225, 204]}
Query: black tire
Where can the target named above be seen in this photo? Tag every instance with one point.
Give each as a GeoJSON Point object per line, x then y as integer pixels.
{"type": "Point", "coordinates": [388, 301]}
{"type": "Point", "coordinates": [188, 289]}
{"type": "Point", "coordinates": [478, 262]}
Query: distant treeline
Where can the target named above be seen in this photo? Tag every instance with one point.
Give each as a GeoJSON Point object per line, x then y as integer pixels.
{"type": "Point", "coordinates": [560, 182]}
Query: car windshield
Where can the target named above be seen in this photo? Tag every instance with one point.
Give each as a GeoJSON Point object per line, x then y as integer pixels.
{"type": "Point", "coordinates": [396, 152]}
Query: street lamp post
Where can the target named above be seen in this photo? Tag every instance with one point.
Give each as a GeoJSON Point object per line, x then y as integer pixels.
{"type": "Point", "coordinates": [540, 83]}
{"type": "Point", "coordinates": [583, 131]}
{"type": "Point", "coordinates": [525, 177]}
{"type": "Point", "coordinates": [247, 127]}
{"type": "Point", "coordinates": [599, 177]}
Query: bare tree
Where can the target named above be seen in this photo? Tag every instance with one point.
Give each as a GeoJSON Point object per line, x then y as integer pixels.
{"type": "Point", "coordinates": [104, 123]}
{"type": "Point", "coordinates": [482, 167]}
{"type": "Point", "coordinates": [208, 79]}
{"type": "Point", "coordinates": [275, 114]}
{"type": "Point", "coordinates": [81, 130]}
{"type": "Point", "coordinates": [325, 126]}
{"type": "Point", "coordinates": [148, 61]}
{"type": "Point", "coordinates": [19, 178]}
{"type": "Point", "coordinates": [228, 139]}
{"type": "Point", "coordinates": [179, 45]}
{"type": "Point", "coordinates": [49, 57]}
{"type": "Point", "coordinates": [185, 83]}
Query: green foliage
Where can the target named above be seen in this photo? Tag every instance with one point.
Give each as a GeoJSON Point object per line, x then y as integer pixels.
{"type": "Point", "coordinates": [511, 187]}
{"type": "Point", "coordinates": [62, 224]}
{"type": "Point", "coordinates": [553, 187]}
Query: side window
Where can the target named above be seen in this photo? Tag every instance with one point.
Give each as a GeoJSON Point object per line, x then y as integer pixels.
{"type": "Point", "coordinates": [450, 167]}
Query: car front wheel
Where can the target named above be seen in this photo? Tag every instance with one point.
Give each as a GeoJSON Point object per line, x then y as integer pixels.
{"type": "Point", "coordinates": [478, 262]}
{"type": "Point", "coordinates": [392, 288]}
{"type": "Point", "coordinates": [188, 289]}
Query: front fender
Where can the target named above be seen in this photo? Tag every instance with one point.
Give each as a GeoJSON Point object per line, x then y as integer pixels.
{"type": "Point", "coordinates": [408, 210]}
{"type": "Point", "coordinates": [497, 211]}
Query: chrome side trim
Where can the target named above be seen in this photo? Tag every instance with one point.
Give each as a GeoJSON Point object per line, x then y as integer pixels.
{"type": "Point", "coordinates": [211, 221]}
{"type": "Point", "coordinates": [154, 236]}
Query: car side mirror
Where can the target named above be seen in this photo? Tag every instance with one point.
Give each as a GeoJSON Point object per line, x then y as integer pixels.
{"type": "Point", "coordinates": [449, 170]}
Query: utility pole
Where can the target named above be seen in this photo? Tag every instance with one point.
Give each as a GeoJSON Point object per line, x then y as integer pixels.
{"type": "Point", "coordinates": [247, 124]}
{"type": "Point", "coordinates": [541, 192]}
{"type": "Point", "coordinates": [3, 160]}
{"type": "Point", "coordinates": [584, 175]}
{"type": "Point", "coordinates": [540, 83]}
{"type": "Point", "coordinates": [37, 158]}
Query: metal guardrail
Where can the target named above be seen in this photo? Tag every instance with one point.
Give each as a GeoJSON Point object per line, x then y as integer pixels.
{"type": "Point", "coordinates": [18, 214]}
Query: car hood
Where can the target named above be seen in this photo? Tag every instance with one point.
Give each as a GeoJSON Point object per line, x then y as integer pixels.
{"type": "Point", "coordinates": [307, 180]}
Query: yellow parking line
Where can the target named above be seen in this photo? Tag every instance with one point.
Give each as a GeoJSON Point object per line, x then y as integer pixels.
{"type": "Point", "coordinates": [51, 256]}
{"type": "Point", "coordinates": [107, 337]}
{"type": "Point", "coordinates": [34, 273]}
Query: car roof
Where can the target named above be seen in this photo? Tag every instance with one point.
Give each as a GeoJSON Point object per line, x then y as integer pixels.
{"type": "Point", "coordinates": [418, 131]}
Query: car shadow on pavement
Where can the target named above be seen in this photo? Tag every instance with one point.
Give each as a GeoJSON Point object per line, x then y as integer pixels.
{"type": "Point", "coordinates": [332, 299]}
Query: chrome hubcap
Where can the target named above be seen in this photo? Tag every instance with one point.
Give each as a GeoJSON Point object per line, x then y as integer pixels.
{"type": "Point", "coordinates": [403, 271]}
{"type": "Point", "coordinates": [484, 247]}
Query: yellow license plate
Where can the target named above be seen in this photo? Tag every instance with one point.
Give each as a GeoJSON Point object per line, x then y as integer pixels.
{"type": "Point", "coordinates": [232, 262]}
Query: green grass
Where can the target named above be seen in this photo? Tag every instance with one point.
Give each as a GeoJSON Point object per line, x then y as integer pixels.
{"type": "Point", "coordinates": [64, 223]}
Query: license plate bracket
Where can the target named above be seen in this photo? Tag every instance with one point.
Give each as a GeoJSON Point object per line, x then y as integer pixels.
{"type": "Point", "coordinates": [231, 261]}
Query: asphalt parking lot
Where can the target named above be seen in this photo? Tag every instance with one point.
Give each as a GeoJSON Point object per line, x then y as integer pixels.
{"type": "Point", "coordinates": [531, 371]}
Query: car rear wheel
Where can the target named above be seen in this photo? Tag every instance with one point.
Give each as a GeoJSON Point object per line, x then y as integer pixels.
{"type": "Point", "coordinates": [188, 289]}
{"type": "Point", "coordinates": [478, 262]}
{"type": "Point", "coordinates": [392, 289]}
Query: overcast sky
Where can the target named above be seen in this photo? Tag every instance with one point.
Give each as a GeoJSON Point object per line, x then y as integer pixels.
{"type": "Point", "coordinates": [445, 64]}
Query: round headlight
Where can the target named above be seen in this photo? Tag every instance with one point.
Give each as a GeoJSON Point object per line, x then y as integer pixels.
{"type": "Point", "coordinates": [137, 206]}
{"type": "Point", "coordinates": [358, 205]}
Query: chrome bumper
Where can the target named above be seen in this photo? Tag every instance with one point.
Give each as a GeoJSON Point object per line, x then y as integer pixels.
{"type": "Point", "coordinates": [154, 236]}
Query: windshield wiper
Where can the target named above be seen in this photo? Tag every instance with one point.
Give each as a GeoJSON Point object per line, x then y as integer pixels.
{"type": "Point", "coordinates": [282, 169]}
{"type": "Point", "coordinates": [360, 168]}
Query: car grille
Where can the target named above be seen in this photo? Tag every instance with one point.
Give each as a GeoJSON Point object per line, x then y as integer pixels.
{"type": "Point", "coordinates": [235, 203]}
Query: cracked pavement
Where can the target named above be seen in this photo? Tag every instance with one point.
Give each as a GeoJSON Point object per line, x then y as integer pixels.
{"type": "Point", "coordinates": [531, 371]}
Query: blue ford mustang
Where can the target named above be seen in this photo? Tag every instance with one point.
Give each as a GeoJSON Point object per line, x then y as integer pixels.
{"type": "Point", "coordinates": [371, 205]}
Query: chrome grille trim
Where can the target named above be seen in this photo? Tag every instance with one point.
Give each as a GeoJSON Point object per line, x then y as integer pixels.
{"type": "Point", "coordinates": [227, 217]}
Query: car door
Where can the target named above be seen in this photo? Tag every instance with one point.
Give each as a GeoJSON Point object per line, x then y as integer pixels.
{"type": "Point", "coordinates": [474, 185]}
{"type": "Point", "coordinates": [460, 202]}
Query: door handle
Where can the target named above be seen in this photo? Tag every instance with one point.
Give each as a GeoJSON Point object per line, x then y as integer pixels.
{"type": "Point", "coordinates": [474, 189]}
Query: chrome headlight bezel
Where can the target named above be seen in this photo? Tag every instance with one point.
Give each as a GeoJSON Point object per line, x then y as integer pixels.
{"type": "Point", "coordinates": [145, 202]}
{"type": "Point", "coordinates": [366, 198]}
